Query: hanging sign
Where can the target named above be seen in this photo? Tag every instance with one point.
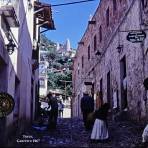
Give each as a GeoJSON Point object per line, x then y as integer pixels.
{"type": "Point", "coordinates": [136, 36]}
{"type": "Point", "coordinates": [6, 104]}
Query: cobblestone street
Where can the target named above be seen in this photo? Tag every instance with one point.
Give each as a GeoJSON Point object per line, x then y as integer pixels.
{"type": "Point", "coordinates": [71, 133]}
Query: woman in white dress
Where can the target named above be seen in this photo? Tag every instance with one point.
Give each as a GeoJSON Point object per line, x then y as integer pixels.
{"type": "Point", "coordinates": [100, 128]}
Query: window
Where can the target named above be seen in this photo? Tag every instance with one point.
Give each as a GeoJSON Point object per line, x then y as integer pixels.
{"type": "Point", "coordinates": [107, 17]}
{"type": "Point", "coordinates": [100, 33]}
{"type": "Point", "coordinates": [114, 6]}
{"type": "Point", "coordinates": [101, 89]}
{"type": "Point", "coordinates": [144, 3]}
{"type": "Point", "coordinates": [123, 67]}
{"type": "Point", "coordinates": [108, 88]}
{"type": "Point", "coordinates": [42, 82]}
{"type": "Point", "coordinates": [123, 78]}
{"type": "Point", "coordinates": [88, 52]}
{"type": "Point", "coordinates": [82, 61]}
{"type": "Point", "coordinates": [95, 43]}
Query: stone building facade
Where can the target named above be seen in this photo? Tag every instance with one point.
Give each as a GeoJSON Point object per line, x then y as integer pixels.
{"type": "Point", "coordinates": [106, 61]}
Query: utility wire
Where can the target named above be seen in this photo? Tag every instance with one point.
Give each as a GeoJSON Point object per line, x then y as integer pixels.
{"type": "Point", "coordinates": [71, 3]}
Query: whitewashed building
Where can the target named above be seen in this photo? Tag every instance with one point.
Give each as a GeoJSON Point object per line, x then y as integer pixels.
{"type": "Point", "coordinates": [20, 25]}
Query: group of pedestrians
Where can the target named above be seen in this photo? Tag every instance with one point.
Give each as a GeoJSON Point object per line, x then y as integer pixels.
{"type": "Point", "coordinates": [98, 126]}
{"type": "Point", "coordinates": [98, 123]}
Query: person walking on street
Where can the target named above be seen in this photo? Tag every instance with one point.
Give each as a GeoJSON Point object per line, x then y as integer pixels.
{"type": "Point", "coordinates": [53, 114]}
{"type": "Point", "coordinates": [87, 107]}
{"type": "Point", "coordinates": [60, 108]}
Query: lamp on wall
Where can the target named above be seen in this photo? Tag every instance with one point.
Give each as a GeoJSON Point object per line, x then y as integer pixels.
{"type": "Point", "coordinates": [120, 48]}
{"type": "Point", "coordinates": [98, 53]}
{"type": "Point", "coordinates": [10, 46]}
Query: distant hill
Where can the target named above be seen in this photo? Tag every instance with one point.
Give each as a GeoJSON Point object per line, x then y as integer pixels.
{"type": "Point", "coordinates": [60, 60]}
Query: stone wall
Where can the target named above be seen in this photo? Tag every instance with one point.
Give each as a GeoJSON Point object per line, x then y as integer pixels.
{"type": "Point", "coordinates": [126, 17]}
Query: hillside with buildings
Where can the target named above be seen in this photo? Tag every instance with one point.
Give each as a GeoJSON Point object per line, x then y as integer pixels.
{"type": "Point", "coordinates": [55, 67]}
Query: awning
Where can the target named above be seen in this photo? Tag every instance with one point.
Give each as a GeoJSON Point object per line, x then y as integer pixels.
{"type": "Point", "coordinates": [44, 14]}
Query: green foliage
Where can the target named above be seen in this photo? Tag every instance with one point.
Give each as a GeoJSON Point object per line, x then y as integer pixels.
{"type": "Point", "coordinates": [51, 55]}
{"type": "Point", "coordinates": [46, 44]}
{"type": "Point", "coordinates": [59, 69]}
{"type": "Point", "coordinates": [69, 90]}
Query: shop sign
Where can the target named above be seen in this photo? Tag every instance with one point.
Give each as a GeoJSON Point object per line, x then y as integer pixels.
{"type": "Point", "coordinates": [136, 36]}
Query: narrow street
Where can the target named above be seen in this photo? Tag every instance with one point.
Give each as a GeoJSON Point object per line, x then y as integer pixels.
{"type": "Point", "coordinates": [61, 61]}
{"type": "Point", "coordinates": [71, 133]}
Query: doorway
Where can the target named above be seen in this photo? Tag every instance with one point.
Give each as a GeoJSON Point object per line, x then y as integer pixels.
{"type": "Point", "coordinates": [101, 90]}
{"type": "Point", "coordinates": [108, 88]}
{"type": "Point", "coordinates": [17, 102]}
{"type": "Point", "coordinates": [123, 78]}
{"type": "Point", "coordinates": [92, 90]}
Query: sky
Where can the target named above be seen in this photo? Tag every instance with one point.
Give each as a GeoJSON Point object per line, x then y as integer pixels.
{"type": "Point", "coordinates": [70, 21]}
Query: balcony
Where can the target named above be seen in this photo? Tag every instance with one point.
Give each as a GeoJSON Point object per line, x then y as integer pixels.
{"type": "Point", "coordinates": [7, 11]}
{"type": "Point", "coordinates": [44, 14]}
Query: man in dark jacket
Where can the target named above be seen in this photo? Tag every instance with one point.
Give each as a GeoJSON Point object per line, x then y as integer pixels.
{"type": "Point", "coordinates": [87, 106]}
{"type": "Point", "coordinates": [53, 114]}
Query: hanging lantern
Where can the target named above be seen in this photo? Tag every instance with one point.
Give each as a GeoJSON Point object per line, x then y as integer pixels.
{"type": "Point", "coordinates": [10, 47]}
